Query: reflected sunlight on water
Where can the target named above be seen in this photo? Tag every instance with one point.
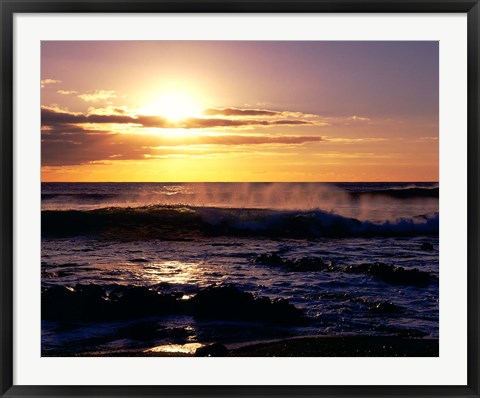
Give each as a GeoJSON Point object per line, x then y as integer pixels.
{"type": "Point", "coordinates": [172, 272]}
{"type": "Point", "coordinates": [188, 348]}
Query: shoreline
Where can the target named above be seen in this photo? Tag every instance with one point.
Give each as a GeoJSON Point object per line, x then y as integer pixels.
{"type": "Point", "coordinates": [319, 346]}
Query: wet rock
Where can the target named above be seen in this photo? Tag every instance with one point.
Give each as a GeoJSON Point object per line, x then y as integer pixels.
{"type": "Point", "coordinates": [269, 259]}
{"type": "Point", "coordinates": [426, 246]}
{"type": "Point", "coordinates": [82, 304]}
{"type": "Point", "coordinates": [223, 302]}
{"type": "Point", "coordinates": [304, 264]}
{"type": "Point", "coordinates": [91, 303]}
{"type": "Point", "coordinates": [90, 292]}
{"type": "Point", "coordinates": [115, 291]}
{"type": "Point", "coordinates": [56, 302]}
{"type": "Point", "coordinates": [212, 350]}
{"type": "Point", "coordinates": [228, 302]}
{"type": "Point", "coordinates": [140, 301]}
{"type": "Point", "coordinates": [392, 274]}
{"type": "Point", "coordinates": [282, 312]}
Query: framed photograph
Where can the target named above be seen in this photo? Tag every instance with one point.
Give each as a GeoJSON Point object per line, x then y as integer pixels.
{"type": "Point", "coordinates": [231, 198]}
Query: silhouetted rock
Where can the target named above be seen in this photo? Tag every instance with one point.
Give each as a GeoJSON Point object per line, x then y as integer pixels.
{"type": "Point", "coordinates": [90, 303]}
{"type": "Point", "coordinates": [56, 302]}
{"type": "Point", "coordinates": [269, 259]}
{"type": "Point", "coordinates": [140, 301]}
{"type": "Point", "coordinates": [228, 302]}
{"type": "Point", "coordinates": [281, 311]}
{"type": "Point", "coordinates": [427, 246]}
{"type": "Point", "coordinates": [304, 264]}
{"type": "Point", "coordinates": [212, 350]}
{"type": "Point", "coordinates": [84, 303]}
{"type": "Point", "coordinates": [392, 274]}
{"type": "Point", "coordinates": [90, 292]}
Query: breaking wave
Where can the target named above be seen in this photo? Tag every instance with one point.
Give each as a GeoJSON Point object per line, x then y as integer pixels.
{"type": "Point", "coordinates": [174, 222]}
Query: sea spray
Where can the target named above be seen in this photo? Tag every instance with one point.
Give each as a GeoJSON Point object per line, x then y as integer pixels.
{"type": "Point", "coordinates": [375, 202]}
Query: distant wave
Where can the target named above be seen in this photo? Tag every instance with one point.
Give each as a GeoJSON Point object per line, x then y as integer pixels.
{"type": "Point", "coordinates": [187, 222]}
{"type": "Point", "coordinates": [408, 192]}
{"type": "Point", "coordinates": [402, 193]}
{"type": "Point", "coordinates": [79, 196]}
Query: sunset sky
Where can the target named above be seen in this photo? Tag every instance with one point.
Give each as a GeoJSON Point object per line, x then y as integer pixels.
{"type": "Point", "coordinates": [239, 111]}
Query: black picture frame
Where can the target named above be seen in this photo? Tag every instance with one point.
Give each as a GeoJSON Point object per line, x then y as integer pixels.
{"type": "Point", "coordinates": [7, 201]}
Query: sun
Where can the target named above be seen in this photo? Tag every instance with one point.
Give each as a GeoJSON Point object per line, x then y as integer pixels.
{"type": "Point", "coordinates": [174, 106]}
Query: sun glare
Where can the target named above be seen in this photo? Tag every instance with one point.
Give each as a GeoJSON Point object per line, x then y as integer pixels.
{"type": "Point", "coordinates": [173, 106]}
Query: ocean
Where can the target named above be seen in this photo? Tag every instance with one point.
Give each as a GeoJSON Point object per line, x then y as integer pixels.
{"type": "Point", "coordinates": [175, 266]}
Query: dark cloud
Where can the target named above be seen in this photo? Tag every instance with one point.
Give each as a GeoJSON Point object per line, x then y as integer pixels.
{"type": "Point", "coordinates": [74, 147]}
{"type": "Point", "coordinates": [235, 139]}
{"type": "Point", "coordinates": [52, 117]}
{"type": "Point", "coordinates": [240, 112]}
{"type": "Point", "coordinates": [211, 123]}
{"type": "Point", "coordinates": [291, 122]}
{"type": "Point", "coordinates": [71, 145]}
{"type": "Point", "coordinates": [66, 141]}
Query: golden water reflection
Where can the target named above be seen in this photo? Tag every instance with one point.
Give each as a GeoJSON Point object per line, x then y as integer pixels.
{"type": "Point", "coordinates": [175, 272]}
{"type": "Point", "coordinates": [188, 348]}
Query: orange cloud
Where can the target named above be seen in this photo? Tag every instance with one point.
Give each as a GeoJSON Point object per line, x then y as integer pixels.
{"type": "Point", "coordinates": [72, 144]}
{"type": "Point", "coordinates": [98, 95]}
{"type": "Point", "coordinates": [46, 82]}
{"type": "Point", "coordinates": [67, 92]}
{"type": "Point", "coordinates": [53, 116]}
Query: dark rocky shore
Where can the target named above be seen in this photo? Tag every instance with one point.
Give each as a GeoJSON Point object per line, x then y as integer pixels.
{"type": "Point", "coordinates": [343, 346]}
{"type": "Point", "coordinates": [321, 346]}
{"type": "Point", "coordinates": [84, 303]}
{"type": "Point", "coordinates": [135, 313]}
{"type": "Point", "coordinates": [387, 273]}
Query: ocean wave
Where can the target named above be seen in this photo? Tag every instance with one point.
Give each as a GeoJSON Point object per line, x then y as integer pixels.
{"type": "Point", "coordinates": [175, 222]}
{"type": "Point", "coordinates": [362, 200]}
{"type": "Point", "coordinates": [193, 195]}
{"type": "Point", "coordinates": [79, 196]}
{"type": "Point", "coordinates": [402, 193]}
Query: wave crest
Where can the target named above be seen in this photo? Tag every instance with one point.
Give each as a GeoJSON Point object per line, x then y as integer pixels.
{"type": "Point", "coordinates": [173, 222]}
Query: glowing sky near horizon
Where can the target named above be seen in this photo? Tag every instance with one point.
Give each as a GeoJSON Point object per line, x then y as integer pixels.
{"type": "Point", "coordinates": [239, 111]}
